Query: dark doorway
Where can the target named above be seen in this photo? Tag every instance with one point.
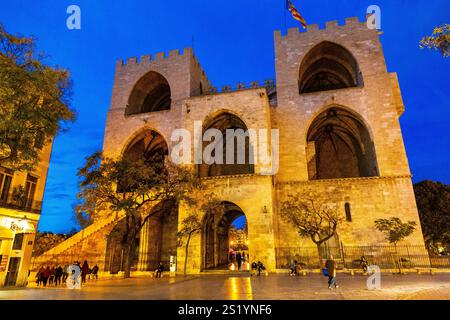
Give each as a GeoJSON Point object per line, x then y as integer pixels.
{"type": "Point", "coordinates": [224, 236]}
{"type": "Point", "coordinates": [13, 272]}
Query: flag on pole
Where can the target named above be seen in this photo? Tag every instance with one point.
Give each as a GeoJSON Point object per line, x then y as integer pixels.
{"type": "Point", "coordinates": [295, 14]}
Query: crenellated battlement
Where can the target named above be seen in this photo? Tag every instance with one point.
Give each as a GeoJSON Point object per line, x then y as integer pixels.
{"type": "Point", "coordinates": [352, 22]}
{"type": "Point", "coordinates": [157, 57]}
{"type": "Point", "coordinates": [268, 84]}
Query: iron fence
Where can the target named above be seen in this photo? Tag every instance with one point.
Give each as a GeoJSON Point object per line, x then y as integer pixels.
{"type": "Point", "coordinates": [349, 257]}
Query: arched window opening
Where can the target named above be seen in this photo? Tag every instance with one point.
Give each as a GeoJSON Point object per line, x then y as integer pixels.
{"type": "Point", "coordinates": [150, 148]}
{"type": "Point", "coordinates": [348, 213]}
{"type": "Point", "coordinates": [223, 122]}
{"type": "Point", "coordinates": [151, 93]}
{"type": "Point", "coordinates": [328, 66]}
{"type": "Point", "coordinates": [339, 146]}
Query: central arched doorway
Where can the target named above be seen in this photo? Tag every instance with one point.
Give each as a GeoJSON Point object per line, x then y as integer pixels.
{"type": "Point", "coordinates": [156, 241]}
{"type": "Point", "coordinates": [225, 239]}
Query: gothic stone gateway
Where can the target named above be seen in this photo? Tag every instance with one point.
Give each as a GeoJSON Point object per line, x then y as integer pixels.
{"type": "Point", "coordinates": [337, 108]}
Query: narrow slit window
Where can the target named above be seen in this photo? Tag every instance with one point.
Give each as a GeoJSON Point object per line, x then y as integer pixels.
{"type": "Point", "coordinates": [348, 213]}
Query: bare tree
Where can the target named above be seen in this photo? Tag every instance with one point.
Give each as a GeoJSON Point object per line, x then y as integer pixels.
{"type": "Point", "coordinates": [192, 224]}
{"type": "Point", "coordinates": [312, 219]}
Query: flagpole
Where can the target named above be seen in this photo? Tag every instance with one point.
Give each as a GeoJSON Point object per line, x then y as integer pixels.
{"type": "Point", "coordinates": [285, 19]}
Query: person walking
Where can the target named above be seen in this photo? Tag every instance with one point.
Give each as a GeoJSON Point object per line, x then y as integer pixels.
{"type": "Point", "coordinates": [293, 268]}
{"type": "Point", "coordinates": [84, 271]}
{"type": "Point", "coordinates": [239, 261]}
{"type": "Point", "coordinates": [260, 267]}
{"type": "Point", "coordinates": [58, 275]}
{"type": "Point", "coordinates": [45, 276]}
{"type": "Point", "coordinates": [331, 267]}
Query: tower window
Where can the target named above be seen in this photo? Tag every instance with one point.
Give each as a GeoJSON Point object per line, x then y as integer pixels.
{"type": "Point", "coordinates": [348, 213]}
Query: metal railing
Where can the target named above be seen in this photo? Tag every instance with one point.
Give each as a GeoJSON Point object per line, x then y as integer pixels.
{"type": "Point", "coordinates": [25, 205]}
{"type": "Point", "coordinates": [349, 257]}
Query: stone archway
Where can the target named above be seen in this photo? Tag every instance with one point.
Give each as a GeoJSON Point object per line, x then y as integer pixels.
{"type": "Point", "coordinates": [216, 245]}
{"type": "Point", "coordinates": [151, 93]}
{"type": "Point", "coordinates": [116, 249]}
{"type": "Point", "coordinates": [233, 131]}
{"type": "Point", "coordinates": [328, 66]}
{"type": "Point", "coordinates": [339, 145]}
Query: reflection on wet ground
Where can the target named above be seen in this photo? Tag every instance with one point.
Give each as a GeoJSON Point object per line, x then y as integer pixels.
{"type": "Point", "coordinates": [242, 287]}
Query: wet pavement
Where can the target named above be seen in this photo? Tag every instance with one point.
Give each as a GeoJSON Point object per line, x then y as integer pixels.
{"type": "Point", "coordinates": [243, 287]}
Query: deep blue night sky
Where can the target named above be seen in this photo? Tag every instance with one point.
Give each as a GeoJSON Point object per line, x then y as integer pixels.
{"type": "Point", "coordinates": [233, 40]}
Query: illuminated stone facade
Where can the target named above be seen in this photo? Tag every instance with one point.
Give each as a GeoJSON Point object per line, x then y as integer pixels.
{"type": "Point", "coordinates": [19, 217]}
{"type": "Point", "coordinates": [337, 109]}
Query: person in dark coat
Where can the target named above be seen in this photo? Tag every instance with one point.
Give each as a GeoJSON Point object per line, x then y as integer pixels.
{"type": "Point", "coordinates": [364, 264]}
{"type": "Point", "coordinates": [260, 267]}
{"type": "Point", "coordinates": [331, 266]}
{"type": "Point", "coordinates": [58, 275]}
{"type": "Point", "coordinates": [84, 271]}
{"type": "Point", "coordinates": [39, 276]}
{"type": "Point", "coordinates": [159, 270]}
{"type": "Point", "coordinates": [46, 275]}
{"type": "Point", "coordinates": [254, 268]}
{"type": "Point", "coordinates": [95, 272]}
{"type": "Point", "coordinates": [239, 260]}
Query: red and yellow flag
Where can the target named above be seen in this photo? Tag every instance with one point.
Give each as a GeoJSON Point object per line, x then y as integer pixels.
{"type": "Point", "coordinates": [295, 14]}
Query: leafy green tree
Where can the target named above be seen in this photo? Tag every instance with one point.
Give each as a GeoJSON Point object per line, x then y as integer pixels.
{"type": "Point", "coordinates": [433, 203]}
{"type": "Point", "coordinates": [139, 189]}
{"type": "Point", "coordinates": [312, 219]}
{"type": "Point", "coordinates": [395, 231]}
{"type": "Point", "coordinates": [34, 101]}
{"type": "Point", "coordinates": [439, 40]}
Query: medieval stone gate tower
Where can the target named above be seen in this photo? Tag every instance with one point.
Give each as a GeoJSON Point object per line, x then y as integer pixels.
{"type": "Point", "coordinates": [337, 109]}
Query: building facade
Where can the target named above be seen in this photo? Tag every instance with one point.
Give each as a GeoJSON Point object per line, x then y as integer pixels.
{"type": "Point", "coordinates": [337, 109]}
{"type": "Point", "coordinates": [21, 195]}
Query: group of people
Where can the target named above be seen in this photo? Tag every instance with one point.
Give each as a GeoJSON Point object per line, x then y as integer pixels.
{"type": "Point", "coordinates": [257, 267]}
{"type": "Point", "coordinates": [55, 275]}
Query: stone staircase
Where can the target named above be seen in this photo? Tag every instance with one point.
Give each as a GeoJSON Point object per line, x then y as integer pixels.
{"type": "Point", "coordinates": [76, 239]}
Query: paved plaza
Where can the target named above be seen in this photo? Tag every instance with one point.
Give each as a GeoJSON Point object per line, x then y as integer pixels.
{"type": "Point", "coordinates": [243, 287]}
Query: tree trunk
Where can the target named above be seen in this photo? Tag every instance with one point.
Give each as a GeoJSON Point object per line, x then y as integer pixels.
{"type": "Point", "coordinates": [129, 257]}
{"type": "Point", "coordinates": [319, 251]}
{"type": "Point", "coordinates": [186, 253]}
{"type": "Point", "coordinates": [399, 262]}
